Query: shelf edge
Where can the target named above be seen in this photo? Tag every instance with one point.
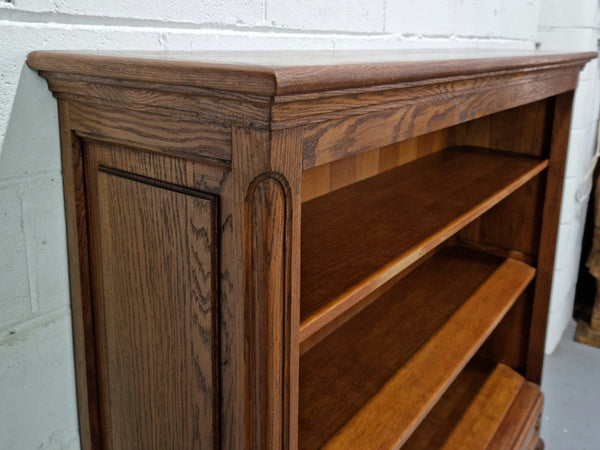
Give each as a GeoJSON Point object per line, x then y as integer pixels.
{"type": "Point", "coordinates": [340, 305]}
{"type": "Point", "coordinates": [496, 294]}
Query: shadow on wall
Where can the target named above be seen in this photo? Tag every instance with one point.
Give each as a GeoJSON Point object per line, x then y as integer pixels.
{"type": "Point", "coordinates": [33, 270]}
{"type": "Point", "coordinates": [31, 144]}
{"type": "Point", "coordinates": [36, 369]}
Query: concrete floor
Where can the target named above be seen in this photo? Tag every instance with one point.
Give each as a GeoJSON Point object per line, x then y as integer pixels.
{"type": "Point", "coordinates": [571, 385]}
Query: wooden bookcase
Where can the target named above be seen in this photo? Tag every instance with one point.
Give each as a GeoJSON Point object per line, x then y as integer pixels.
{"type": "Point", "coordinates": [302, 250]}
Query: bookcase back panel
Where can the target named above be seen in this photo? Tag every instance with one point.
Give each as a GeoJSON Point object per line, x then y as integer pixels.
{"type": "Point", "coordinates": [525, 129]}
{"type": "Point", "coordinates": [323, 179]}
{"type": "Point", "coordinates": [513, 226]}
{"type": "Point", "coordinates": [507, 344]}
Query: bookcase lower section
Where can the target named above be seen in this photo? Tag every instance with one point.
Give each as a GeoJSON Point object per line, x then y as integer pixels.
{"type": "Point", "coordinates": [489, 406]}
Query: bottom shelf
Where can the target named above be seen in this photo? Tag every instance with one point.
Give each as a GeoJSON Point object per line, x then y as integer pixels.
{"type": "Point", "coordinates": [489, 406]}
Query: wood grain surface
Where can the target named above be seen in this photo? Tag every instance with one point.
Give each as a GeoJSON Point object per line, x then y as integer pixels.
{"type": "Point", "coordinates": [520, 427]}
{"type": "Point", "coordinates": [357, 238]}
{"type": "Point", "coordinates": [558, 155]}
{"type": "Point", "coordinates": [286, 73]}
{"type": "Point", "coordinates": [325, 178]}
{"type": "Point", "coordinates": [184, 176]}
{"type": "Point", "coordinates": [79, 282]}
{"type": "Point", "coordinates": [337, 138]}
{"type": "Point", "coordinates": [412, 328]}
{"type": "Point", "coordinates": [471, 411]}
{"type": "Point", "coordinates": [155, 312]}
{"type": "Point", "coordinates": [267, 189]}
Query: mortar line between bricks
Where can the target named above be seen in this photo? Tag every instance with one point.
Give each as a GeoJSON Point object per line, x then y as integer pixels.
{"type": "Point", "coordinates": [566, 27]}
{"type": "Point", "coordinates": [18, 179]}
{"type": "Point", "coordinates": [49, 17]}
{"type": "Point", "coordinates": [24, 325]}
{"type": "Point", "coordinates": [52, 18]}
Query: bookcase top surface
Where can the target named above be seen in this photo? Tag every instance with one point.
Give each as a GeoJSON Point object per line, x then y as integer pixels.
{"type": "Point", "coordinates": [298, 72]}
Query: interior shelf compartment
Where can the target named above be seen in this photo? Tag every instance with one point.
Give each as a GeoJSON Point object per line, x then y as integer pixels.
{"type": "Point", "coordinates": [372, 381]}
{"type": "Point", "coordinates": [486, 407]}
{"type": "Point", "coordinates": [357, 238]}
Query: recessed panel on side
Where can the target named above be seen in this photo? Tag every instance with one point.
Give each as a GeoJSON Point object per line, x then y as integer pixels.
{"type": "Point", "coordinates": [155, 289]}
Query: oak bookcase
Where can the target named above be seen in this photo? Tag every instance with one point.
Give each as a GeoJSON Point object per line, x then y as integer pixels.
{"type": "Point", "coordinates": [281, 250]}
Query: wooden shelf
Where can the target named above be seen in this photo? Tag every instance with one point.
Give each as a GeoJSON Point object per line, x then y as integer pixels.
{"type": "Point", "coordinates": [357, 238]}
{"type": "Point", "coordinates": [212, 308]}
{"type": "Point", "coordinates": [371, 382]}
{"type": "Point", "coordinates": [486, 407]}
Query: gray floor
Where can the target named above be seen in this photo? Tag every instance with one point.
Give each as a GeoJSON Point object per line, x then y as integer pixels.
{"type": "Point", "coordinates": [571, 384]}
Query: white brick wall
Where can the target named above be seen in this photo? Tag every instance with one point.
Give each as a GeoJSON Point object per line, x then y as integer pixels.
{"type": "Point", "coordinates": [572, 25]}
{"type": "Point", "coordinates": [37, 406]}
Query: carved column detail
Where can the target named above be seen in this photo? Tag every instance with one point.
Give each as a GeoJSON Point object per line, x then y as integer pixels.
{"type": "Point", "coordinates": [270, 225]}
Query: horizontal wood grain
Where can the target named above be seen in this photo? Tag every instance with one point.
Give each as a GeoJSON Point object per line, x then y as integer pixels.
{"type": "Point", "coordinates": [370, 383]}
{"type": "Point", "coordinates": [295, 72]}
{"type": "Point", "coordinates": [167, 132]}
{"type": "Point", "coordinates": [318, 107]}
{"type": "Point", "coordinates": [208, 105]}
{"type": "Point", "coordinates": [337, 138]}
{"type": "Point", "coordinates": [357, 238]}
{"type": "Point", "coordinates": [520, 427]}
{"type": "Point", "coordinates": [471, 410]}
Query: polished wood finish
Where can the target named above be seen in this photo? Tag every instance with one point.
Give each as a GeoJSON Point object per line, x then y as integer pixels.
{"type": "Point", "coordinates": [520, 427]}
{"type": "Point", "coordinates": [323, 179]}
{"type": "Point", "coordinates": [79, 282]}
{"type": "Point", "coordinates": [294, 72]}
{"type": "Point", "coordinates": [357, 238]}
{"type": "Point", "coordinates": [170, 360]}
{"type": "Point", "coordinates": [192, 256]}
{"type": "Point", "coordinates": [489, 406]}
{"type": "Point", "coordinates": [558, 156]}
{"type": "Point", "coordinates": [396, 341]}
{"type": "Point", "coordinates": [470, 412]}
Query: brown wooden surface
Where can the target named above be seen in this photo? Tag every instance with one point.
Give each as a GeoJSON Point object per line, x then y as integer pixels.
{"type": "Point", "coordinates": [337, 138]}
{"type": "Point", "coordinates": [291, 72]}
{"type": "Point", "coordinates": [79, 282]}
{"type": "Point", "coordinates": [155, 312]}
{"type": "Point", "coordinates": [325, 178]}
{"type": "Point", "coordinates": [214, 180]}
{"type": "Point", "coordinates": [178, 134]}
{"type": "Point", "coordinates": [369, 384]}
{"type": "Point", "coordinates": [330, 327]}
{"type": "Point", "coordinates": [238, 129]}
{"type": "Point", "coordinates": [267, 176]}
{"type": "Point", "coordinates": [507, 344]}
{"type": "Point", "coordinates": [586, 334]}
{"type": "Point", "coordinates": [558, 155]}
{"type": "Point", "coordinates": [357, 238]}
{"type": "Point", "coordinates": [470, 412]}
{"type": "Point", "coordinates": [524, 129]}
{"type": "Point", "coordinates": [520, 427]}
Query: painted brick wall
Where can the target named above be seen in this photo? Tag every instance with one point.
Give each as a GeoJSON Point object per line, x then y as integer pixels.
{"type": "Point", "coordinates": [37, 407]}
{"type": "Point", "coordinates": [572, 25]}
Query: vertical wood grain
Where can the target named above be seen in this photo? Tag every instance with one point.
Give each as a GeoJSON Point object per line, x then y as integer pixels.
{"type": "Point", "coordinates": [561, 123]}
{"type": "Point", "coordinates": [155, 265]}
{"type": "Point", "coordinates": [79, 282]}
{"type": "Point", "coordinates": [512, 227]}
{"type": "Point", "coordinates": [523, 129]}
{"type": "Point", "coordinates": [267, 174]}
{"type": "Point", "coordinates": [325, 178]}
